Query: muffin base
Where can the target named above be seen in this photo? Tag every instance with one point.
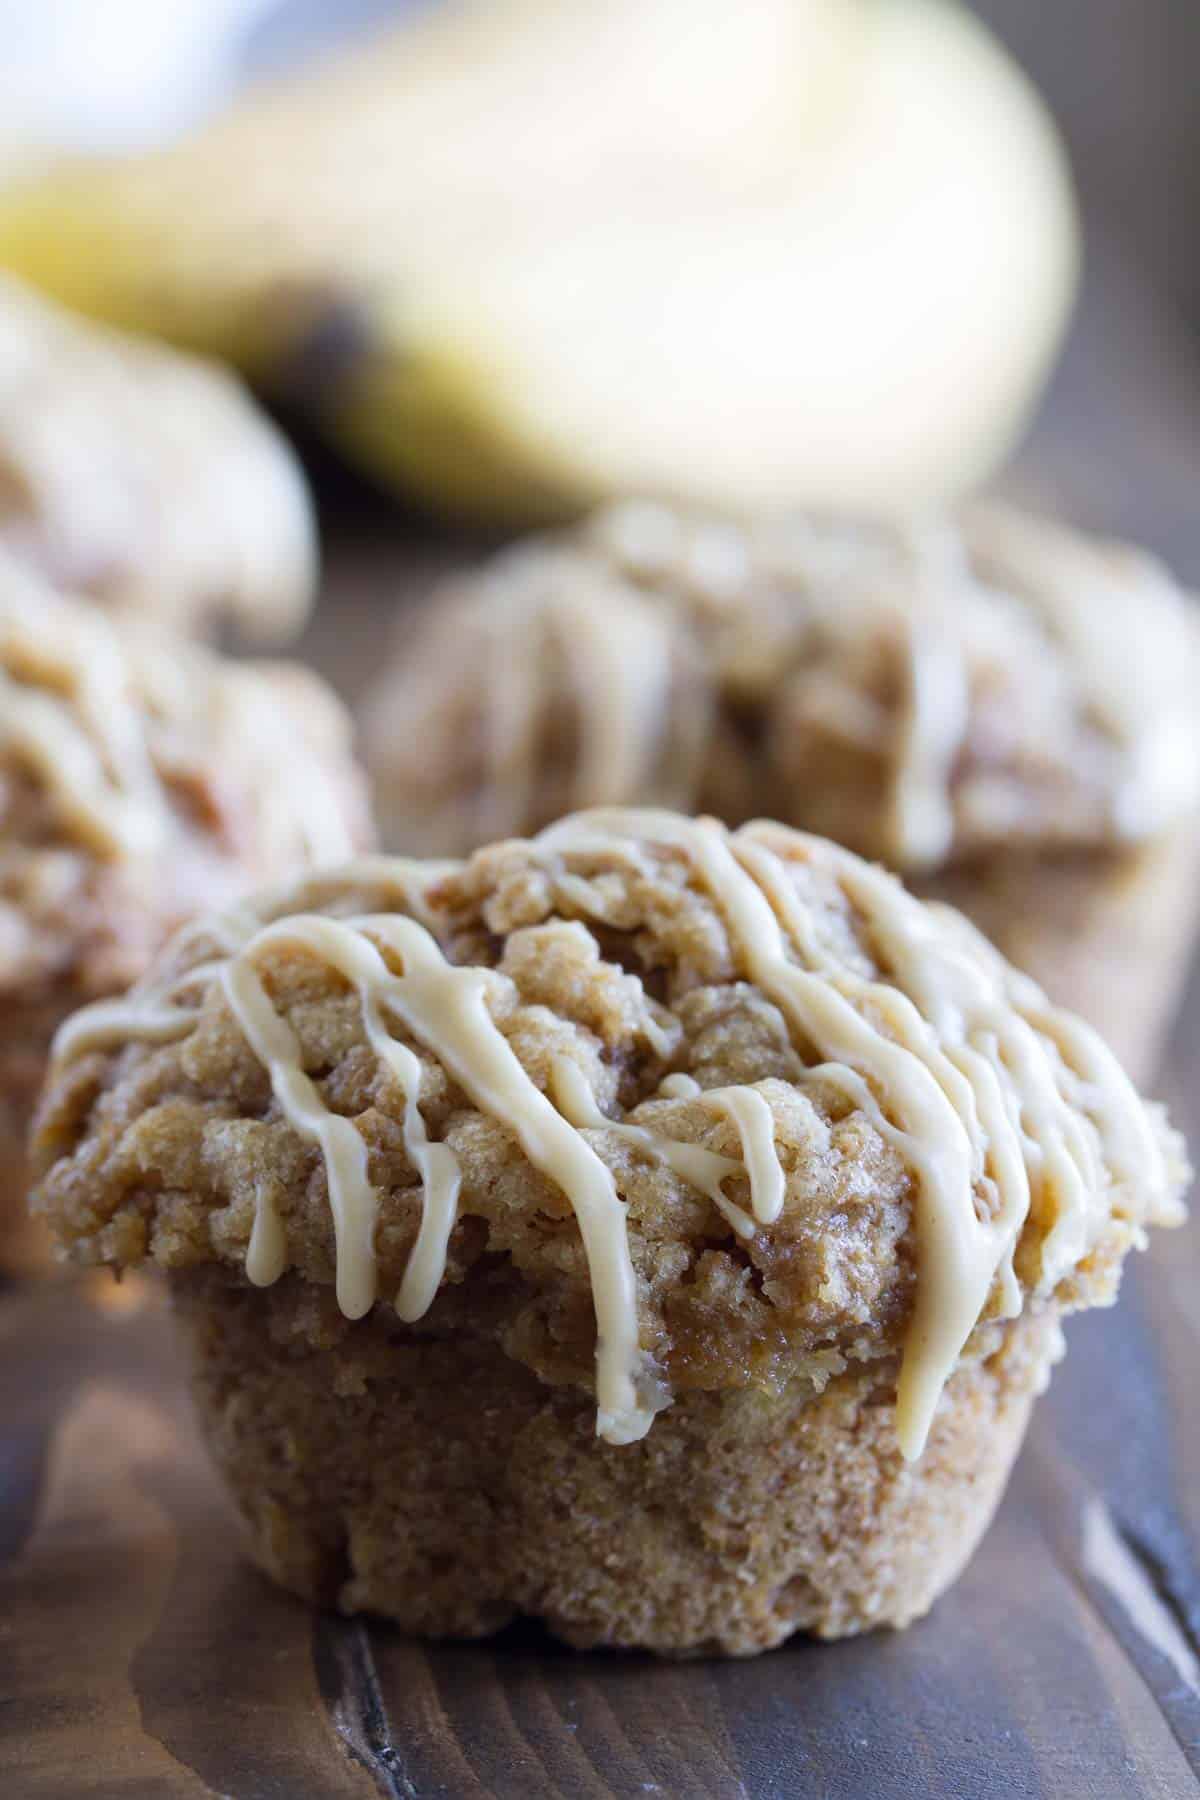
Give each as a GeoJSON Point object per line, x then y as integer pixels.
{"type": "Point", "coordinates": [1106, 934]}
{"type": "Point", "coordinates": [434, 1481]}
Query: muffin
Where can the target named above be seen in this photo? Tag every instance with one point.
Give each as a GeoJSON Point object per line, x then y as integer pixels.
{"type": "Point", "coordinates": [141, 780]}
{"type": "Point", "coordinates": [655, 1230]}
{"type": "Point", "coordinates": [146, 480]}
{"type": "Point", "coordinates": [542, 683]}
{"type": "Point", "coordinates": [951, 698]}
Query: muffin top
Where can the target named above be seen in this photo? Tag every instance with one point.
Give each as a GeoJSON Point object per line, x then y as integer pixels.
{"type": "Point", "coordinates": [146, 480]}
{"type": "Point", "coordinates": [922, 693]}
{"type": "Point", "coordinates": [582, 691]}
{"type": "Point", "coordinates": [655, 1105]}
{"type": "Point", "coordinates": [142, 780]}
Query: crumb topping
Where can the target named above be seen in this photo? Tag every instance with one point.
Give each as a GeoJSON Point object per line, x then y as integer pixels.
{"type": "Point", "coordinates": [921, 693]}
{"type": "Point", "coordinates": [142, 780]}
{"type": "Point", "coordinates": [686, 1107]}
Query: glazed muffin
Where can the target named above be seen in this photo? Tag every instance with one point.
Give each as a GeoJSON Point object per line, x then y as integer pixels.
{"type": "Point", "coordinates": [659, 1231]}
{"type": "Point", "coordinates": [542, 683]}
{"type": "Point", "coordinates": [141, 781]}
{"type": "Point", "coordinates": [146, 480]}
{"type": "Point", "coordinates": [951, 698]}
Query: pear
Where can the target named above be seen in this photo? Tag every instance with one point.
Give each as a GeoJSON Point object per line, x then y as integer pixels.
{"type": "Point", "coordinates": [520, 256]}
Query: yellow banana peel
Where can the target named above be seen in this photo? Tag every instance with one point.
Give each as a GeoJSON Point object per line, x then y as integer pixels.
{"type": "Point", "coordinates": [522, 256]}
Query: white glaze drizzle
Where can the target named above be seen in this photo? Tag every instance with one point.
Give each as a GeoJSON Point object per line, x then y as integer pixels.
{"type": "Point", "coordinates": [693, 1163]}
{"type": "Point", "coordinates": [748, 1112]}
{"type": "Point", "coordinates": [820, 592]}
{"type": "Point", "coordinates": [622, 682]}
{"type": "Point", "coordinates": [1094, 596]}
{"type": "Point", "coordinates": [445, 1007]}
{"type": "Point", "coordinates": [104, 720]}
{"type": "Point", "coordinates": [960, 1063]}
{"type": "Point", "coordinates": [913, 588]}
{"type": "Point", "coordinates": [678, 1086]}
{"type": "Point", "coordinates": [70, 720]}
{"type": "Point", "coordinates": [155, 1010]}
{"type": "Point", "coordinates": [841, 589]}
{"type": "Point", "coordinates": [266, 1253]}
{"type": "Point", "coordinates": [614, 656]}
{"type": "Point", "coordinates": [965, 1086]}
{"type": "Point", "coordinates": [934, 715]}
{"type": "Point", "coordinates": [1089, 599]}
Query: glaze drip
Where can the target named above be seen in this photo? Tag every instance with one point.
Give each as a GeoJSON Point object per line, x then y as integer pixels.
{"type": "Point", "coordinates": [999, 1105]}
{"type": "Point", "coordinates": [65, 713]}
{"type": "Point", "coordinates": [986, 1106]}
{"type": "Point", "coordinates": [964, 679]}
{"type": "Point", "coordinates": [585, 639]}
{"type": "Point", "coordinates": [107, 721]}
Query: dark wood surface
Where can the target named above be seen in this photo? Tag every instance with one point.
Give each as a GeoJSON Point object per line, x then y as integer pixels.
{"type": "Point", "coordinates": [140, 1657]}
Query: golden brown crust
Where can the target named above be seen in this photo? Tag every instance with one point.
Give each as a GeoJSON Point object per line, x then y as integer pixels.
{"type": "Point", "coordinates": [574, 689]}
{"type": "Point", "coordinates": [814, 645]}
{"type": "Point", "coordinates": [419, 1474]}
{"type": "Point", "coordinates": [949, 699]}
{"type": "Point", "coordinates": [471, 1459]}
{"type": "Point", "coordinates": [1106, 934]}
{"type": "Point", "coordinates": [153, 781]}
{"type": "Point", "coordinates": [189, 810]}
{"type": "Point", "coordinates": [626, 969]}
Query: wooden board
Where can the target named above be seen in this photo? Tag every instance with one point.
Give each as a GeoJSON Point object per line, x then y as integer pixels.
{"type": "Point", "coordinates": [140, 1657]}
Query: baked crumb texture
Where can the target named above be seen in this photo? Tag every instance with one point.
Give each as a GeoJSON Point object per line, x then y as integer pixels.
{"type": "Point", "coordinates": [953, 699]}
{"type": "Point", "coordinates": [141, 781]}
{"type": "Point", "coordinates": [429, 1479]}
{"type": "Point", "coordinates": [858, 1169]}
{"type": "Point", "coordinates": [145, 479]}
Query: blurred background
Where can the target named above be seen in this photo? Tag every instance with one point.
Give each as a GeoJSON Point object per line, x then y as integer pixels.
{"type": "Point", "coordinates": [1121, 79]}
{"type": "Point", "coordinates": [1120, 76]}
{"type": "Point", "coordinates": [978, 312]}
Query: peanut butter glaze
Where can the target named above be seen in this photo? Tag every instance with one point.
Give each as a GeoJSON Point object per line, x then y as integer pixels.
{"type": "Point", "coordinates": [926, 692]}
{"type": "Point", "coordinates": [110, 724]}
{"type": "Point", "coordinates": [999, 1105]}
{"type": "Point", "coordinates": [555, 648]}
{"type": "Point", "coordinates": [899, 641]}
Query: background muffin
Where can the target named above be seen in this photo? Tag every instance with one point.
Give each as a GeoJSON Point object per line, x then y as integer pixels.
{"type": "Point", "coordinates": [720, 1147]}
{"type": "Point", "coordinates": [953, 698]}
{"type": "Point", "coordinates": [145, 479]}
{"type": "Point", "coordinates": [544, 682]}
{"type": "Point", "coordinates": [141, 781]}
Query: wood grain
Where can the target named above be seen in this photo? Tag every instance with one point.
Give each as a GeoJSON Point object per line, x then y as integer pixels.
{"type": "Point", "coordinates": [140, 1657]}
